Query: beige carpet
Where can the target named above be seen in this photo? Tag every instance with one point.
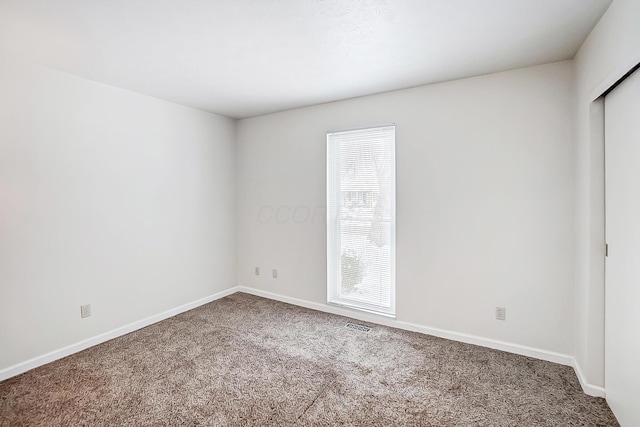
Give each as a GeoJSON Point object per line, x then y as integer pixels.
{"type": "Point", "coordinates": [244, 360]}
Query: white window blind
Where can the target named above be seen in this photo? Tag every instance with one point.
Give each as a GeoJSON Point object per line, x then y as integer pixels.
{"type": "Point", "coordinates": [361, 205]}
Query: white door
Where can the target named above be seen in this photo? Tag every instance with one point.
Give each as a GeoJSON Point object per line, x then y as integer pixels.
{"type": "Point", "coordinates": [622, 295]}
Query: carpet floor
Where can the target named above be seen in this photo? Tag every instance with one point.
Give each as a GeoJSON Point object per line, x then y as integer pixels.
{"type": "Point", "coordinates": [249, 361]}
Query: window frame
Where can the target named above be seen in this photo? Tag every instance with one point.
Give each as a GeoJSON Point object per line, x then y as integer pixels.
{"type": "Point", "coordinates": [334, 198]}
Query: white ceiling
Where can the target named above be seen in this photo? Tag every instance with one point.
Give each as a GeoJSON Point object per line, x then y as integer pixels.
{"type": "Point", "coordinates": [243, 58]}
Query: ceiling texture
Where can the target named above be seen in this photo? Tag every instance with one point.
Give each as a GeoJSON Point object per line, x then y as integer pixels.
{"type": "Point", "coordinates": [243, 58]}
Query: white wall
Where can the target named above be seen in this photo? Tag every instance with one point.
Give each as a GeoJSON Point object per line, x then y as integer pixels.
{"type": "Point", "coordinates": [94, 181]}
{"type": "Point", "coordinates": [484, 202]}
{"type": "Point", "coordinates": [106, 197]}
{"type": "Point", "coordinates": [614, 42]}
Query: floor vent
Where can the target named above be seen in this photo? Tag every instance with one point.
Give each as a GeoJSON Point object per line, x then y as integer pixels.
{"type": "Point", "coordinates": [357, 327]}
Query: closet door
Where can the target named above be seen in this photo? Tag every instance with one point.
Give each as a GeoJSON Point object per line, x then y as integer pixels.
{"type": "Point", "coordinates": [622, 295]}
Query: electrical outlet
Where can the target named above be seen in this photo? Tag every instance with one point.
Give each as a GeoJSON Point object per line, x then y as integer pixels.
{"type": "Point", "coordinates": [275, 273]}
{"type": "Point", "coordinates": [85, 310]}
{"type": "Point", "coordinates": [501, 313]}
{"type": "Point", "coordinates": [257, 270]}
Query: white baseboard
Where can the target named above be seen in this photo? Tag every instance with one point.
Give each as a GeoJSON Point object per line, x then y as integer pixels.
{"type": "Point", "coordinates": [550, 356]}
{"type": "Point", "coordinates": [90, 342]}
{"type": "Point", "coordinates": [590, 389]}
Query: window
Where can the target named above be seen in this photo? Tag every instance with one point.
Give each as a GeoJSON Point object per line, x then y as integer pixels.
{"type": "Point", "coordinates": [361, 204]}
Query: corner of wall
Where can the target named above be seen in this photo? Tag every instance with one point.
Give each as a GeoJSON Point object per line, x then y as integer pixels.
{"type": "Point", "coordinates": [588, 388]}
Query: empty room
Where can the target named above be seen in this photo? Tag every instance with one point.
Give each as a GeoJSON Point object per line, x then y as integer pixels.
{"type": "Point", "coordinates": [319, 212]}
